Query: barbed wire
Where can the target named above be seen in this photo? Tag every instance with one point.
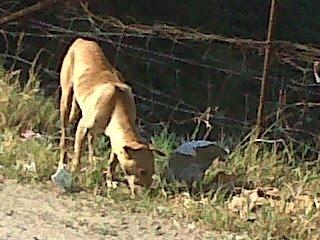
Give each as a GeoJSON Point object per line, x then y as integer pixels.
{"type": "Point", "coordinates": [71, 34]}
{"type": "Point", "coordinates": [175, 33]}
{"type": "Point", "coordinates": [167, 32]}
{"type": "Point", "coordinates": [218, 120]}
{"type": "Point", "coordinates": [105, 29]}
{"type": "Point", "coordinates": [182, 109]}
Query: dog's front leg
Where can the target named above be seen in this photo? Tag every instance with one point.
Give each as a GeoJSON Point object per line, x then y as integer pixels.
{"type": "Point", "coordinates": [130, 180]}
{"type": "Point", "coordinates": [91, 141]}
{"type": "Point", "coordinates": [111, 168]}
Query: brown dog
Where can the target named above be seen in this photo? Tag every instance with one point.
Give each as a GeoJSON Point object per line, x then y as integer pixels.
{"type": "Point", "coordinates": [89, 82]}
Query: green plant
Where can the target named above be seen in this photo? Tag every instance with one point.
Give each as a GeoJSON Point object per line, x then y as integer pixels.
{"type": "Point", "coordinates": [25, 108]}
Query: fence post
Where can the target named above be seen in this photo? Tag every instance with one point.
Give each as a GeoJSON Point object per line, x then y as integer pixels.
{"type": "Point", "coordinates": [266, 67]}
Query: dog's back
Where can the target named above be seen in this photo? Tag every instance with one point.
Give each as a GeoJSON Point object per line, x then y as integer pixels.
{"type": "Point", "coordinates": [92, 68]}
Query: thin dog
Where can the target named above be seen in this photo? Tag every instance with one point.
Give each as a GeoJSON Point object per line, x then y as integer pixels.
{"type": "Point", "coordinates": [92, 86]}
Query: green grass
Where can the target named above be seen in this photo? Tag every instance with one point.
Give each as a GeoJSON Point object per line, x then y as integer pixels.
{"type": "Point", "coordinates": [17, 154]}
{"type": "Point", "coordinates": [24, 109]}
{"type": "Point", "coordinates": [294, 213]}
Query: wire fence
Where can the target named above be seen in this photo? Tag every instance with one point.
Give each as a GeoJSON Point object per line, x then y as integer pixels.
{"type": "Point", "coordinates": [184, 49]}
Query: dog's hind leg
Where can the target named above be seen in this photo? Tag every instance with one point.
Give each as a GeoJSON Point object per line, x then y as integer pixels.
{"type": "Point", "coordinates": [75, 111]}
{"type": "Point", "coordinates": [65, 105]}
{"type": "Point", "coordinates": [78, 143]}
{"type": "Point", "coordinates": [65, 101]}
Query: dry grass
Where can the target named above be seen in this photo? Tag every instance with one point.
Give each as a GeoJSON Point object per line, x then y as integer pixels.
{"type": "Point", "coordinates": [270, 194]}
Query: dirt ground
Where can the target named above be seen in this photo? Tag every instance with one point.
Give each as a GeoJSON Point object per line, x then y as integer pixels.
{"type": "Point", "coordinates": [39, 212]}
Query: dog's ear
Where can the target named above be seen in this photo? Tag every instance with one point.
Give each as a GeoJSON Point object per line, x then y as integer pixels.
{"type": "Point", "coordinates": [156, 151]}
{"type": "Point", "coordinates": [134, 146]}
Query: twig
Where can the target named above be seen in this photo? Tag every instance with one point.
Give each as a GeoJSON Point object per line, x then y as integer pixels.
{"type": "Point", "coordinates": [28, 10]}
{"type": "Point", "coordinates": [268, 140]}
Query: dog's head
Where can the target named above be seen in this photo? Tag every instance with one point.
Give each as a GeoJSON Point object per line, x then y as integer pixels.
{"type": "Point", "coordinates": [139, 161]}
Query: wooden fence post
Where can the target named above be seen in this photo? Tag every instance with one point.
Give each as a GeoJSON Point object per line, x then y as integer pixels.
{"type": "Point", "coordinates": [266, 67]}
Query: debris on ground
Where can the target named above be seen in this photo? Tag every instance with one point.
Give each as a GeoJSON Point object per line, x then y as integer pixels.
{"type": "Point", "coordinates": [191, 159]}
{"type": "Point", "coordinates": [63, 179]}
{"type": "Point", "coordinates": [29, 134]}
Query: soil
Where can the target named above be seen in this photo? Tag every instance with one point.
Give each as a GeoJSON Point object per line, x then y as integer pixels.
{"type": "Point", "coordinates": [40, 211]}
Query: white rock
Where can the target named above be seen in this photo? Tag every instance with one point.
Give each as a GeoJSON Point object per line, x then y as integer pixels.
{"type": "Point", "coordinates": [62, 178]}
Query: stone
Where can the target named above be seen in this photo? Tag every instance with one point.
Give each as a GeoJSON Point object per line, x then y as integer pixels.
{"type": "Point", "coordinates": [190, 160]}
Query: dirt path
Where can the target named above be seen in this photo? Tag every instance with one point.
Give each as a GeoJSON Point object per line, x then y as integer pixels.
{"type": "Point", "coordinates": [40, 212]}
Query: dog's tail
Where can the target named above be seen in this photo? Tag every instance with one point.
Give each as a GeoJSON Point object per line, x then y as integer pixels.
{"type": "Point", "coordinates": [316, 68]}
{"type": "Point", "coordinates": [122, 86]}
